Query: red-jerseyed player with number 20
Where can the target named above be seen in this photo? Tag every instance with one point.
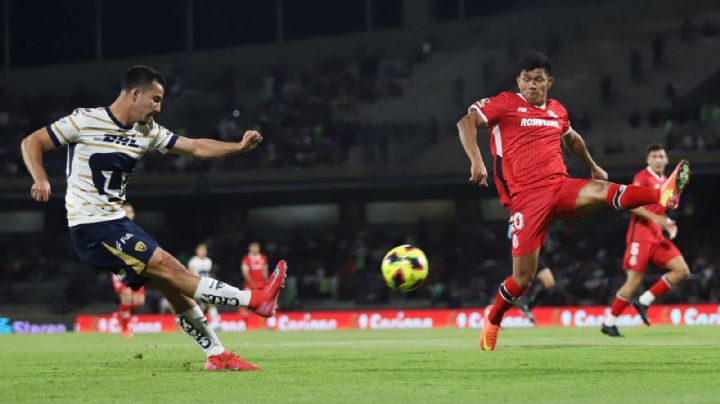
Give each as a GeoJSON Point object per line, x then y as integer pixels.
{"type": "Point", "coordinates": [526, 131]}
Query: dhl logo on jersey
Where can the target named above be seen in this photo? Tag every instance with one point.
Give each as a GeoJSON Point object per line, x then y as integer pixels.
{"type": "Point", "coordinates": [121, 140]}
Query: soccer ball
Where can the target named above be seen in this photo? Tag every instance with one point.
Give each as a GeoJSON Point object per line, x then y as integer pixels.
{"type": "Point", "coordinates": [405, 268]}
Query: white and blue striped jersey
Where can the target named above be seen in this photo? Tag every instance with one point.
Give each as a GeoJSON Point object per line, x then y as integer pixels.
{"type": "Point", "coordinates": [102, 154]}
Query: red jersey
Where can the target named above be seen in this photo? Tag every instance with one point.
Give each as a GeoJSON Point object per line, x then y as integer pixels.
{"type": "Point", "coordinates": [642, 229]}
{"type": "Point", "coordinates": [257, 264]}
{"type": "Point", "coordinates": [525, 142]}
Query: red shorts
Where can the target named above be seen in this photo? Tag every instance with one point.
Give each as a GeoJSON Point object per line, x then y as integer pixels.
{"type": "Point", "coordinates": [534, 210]}
{"type": "Point", "coordinates": [639, 253]}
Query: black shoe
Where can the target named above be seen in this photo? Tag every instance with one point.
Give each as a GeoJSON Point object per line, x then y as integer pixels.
{"type": "Point", "coordinates": [527, 312]}
{"type": "Point", "coordinates": [611, 331]}
{"type": "Point", "coordinates": [642, 311]}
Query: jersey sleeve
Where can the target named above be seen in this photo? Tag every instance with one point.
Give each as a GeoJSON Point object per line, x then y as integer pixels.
{"type": "Point", "coordinates": [163, 139]}
{"type": "Point", "coordinates": [565, 122]}
{"type": "Point", "coordinates": [66, 130]}
{"type": "Point", "coordinates": [492, 109]}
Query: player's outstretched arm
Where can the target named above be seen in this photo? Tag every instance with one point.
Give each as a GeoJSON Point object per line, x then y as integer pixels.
{"type": "Point", "coordinates": [212, 149]}
{"type": "Point", "coordinates": [467, 128]}
{"type": "Point", "coordinates": [575, 144]}
{"type": "Point", "coordinates": [32, 148]}
{"type": "Point", "coordinates": [661, 220]}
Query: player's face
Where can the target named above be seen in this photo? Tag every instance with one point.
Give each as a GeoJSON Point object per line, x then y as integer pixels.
{"type": "Point", "coordinates": [147, 102]}
{"type": "Point", "coordinates": [534, 85]}
{"type": "Point", "coordinates": [201, 251]}
{"type": "Point", "coordinates": [129, 211]}
{"type": "Point", "coordinates": [254, 248]}
{"type": "Point", "coordinates": [657, 160]}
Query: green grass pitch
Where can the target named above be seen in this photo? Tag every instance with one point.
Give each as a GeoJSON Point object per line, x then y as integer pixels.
{"type": "Point", "coordinates": [545, 365]}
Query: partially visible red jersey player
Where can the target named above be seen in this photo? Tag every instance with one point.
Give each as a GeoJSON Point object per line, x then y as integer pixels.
{"type": "Point", "coordinates": [526, 131]}
{"type": "Point", "coordinates": [254, 267]}
{"type": "Point", "coordinates": [129, 299]}
{"type": "Point", "coordinates": [645, 243]}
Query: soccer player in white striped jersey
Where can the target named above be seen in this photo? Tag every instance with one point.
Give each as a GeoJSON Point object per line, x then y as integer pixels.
{"type": "Point", "coordinates": [104, 145]}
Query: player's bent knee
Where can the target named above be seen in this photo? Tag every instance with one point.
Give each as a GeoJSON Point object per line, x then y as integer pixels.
{"type": "Point", "coordinates": [682, 272]}
{"type": "Point", "coordinates": [163, 266]}
{"type": "Point", "coordinates": [523, 280]}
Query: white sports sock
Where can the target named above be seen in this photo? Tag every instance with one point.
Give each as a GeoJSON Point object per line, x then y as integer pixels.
{"type": "Point", "coordinates": [194, 323]}
{"type": "Point", "coordinates": [610, 320]}
{"type": "Point", "coordinates": [212, 291]}
{"type": "Point", "coordinates": [647, 298]}
{"type": "Point", "coordinates": [214, 315]}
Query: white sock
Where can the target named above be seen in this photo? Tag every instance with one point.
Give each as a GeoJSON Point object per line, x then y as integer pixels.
{"type": "Point", "coordinates": [212, 291]}
{"type": "Point", "coordinates": [647, 298]}
{"type": "Point", "coordinates": [610, 320]}
{"type": "Point", "coordinates": [213, 312]}
{"type": "Point", "coordinates": [194, 323]}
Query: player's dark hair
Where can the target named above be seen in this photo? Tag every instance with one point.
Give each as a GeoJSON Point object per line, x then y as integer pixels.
{"type": "Point", "coordinates": [534, 61]}
{"type": "Point", "coordinates": [141, 77]}
{"type": "Point", "coordinates": [654, 147]}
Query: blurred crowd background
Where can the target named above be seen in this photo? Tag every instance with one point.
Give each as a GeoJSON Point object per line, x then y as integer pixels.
{"type": "Point", "coordinates": [357, 101]}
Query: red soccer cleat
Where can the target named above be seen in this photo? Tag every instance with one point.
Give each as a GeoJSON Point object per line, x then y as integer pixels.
{"type": "Point", "coordinates": [228, 361]}
{"type": "Point", "coordinates": [675, 184]}
{"type": "Point", "coordinates": [489, 334]}
{"type": "Point", "coordinates": [263, 302]}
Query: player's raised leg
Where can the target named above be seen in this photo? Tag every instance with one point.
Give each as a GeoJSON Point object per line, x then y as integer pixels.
{"type": "Point", "coordinates": [510, 290]}
{"type": "Point", "coordinates": [597, 193]}
{"type": "Point", "coordinates": [263, 301]}
{"type": "Point", "coordinates": [190, 319]}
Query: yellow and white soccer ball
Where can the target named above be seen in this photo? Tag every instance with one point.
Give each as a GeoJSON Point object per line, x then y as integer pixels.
{"type": "Point", "coordinates": [405, 268]}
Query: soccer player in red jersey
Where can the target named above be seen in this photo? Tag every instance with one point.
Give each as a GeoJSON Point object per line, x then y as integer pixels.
{"type": "Point", "coordinates": [129, 299]}
{"type": "Point", "coordinates": [254, 267]}
{"type": "Point", "coordinates": [526, 130]}
{"type": "Point", "coordinates": [646, 242]}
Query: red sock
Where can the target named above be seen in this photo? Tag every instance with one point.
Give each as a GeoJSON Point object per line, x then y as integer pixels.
{"type": "Point", "coordinates": [124, 316]}
{"type": "Point", "coordinates": [619, 304]}
{"type": "Point", "coordinates": [660, 287]}
{"type": "Point", "coordinates": [507, 295]}
{"type": "Point", "coordinates": [631, 196]}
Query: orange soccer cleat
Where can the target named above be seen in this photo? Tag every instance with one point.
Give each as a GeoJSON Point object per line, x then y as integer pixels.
{"type": "Point", "coordinates": [263, 302]}
{"type": "Point", "coordinates": [675, 184]}
{"type": "Point", "coordinates": [228, 361]}
{"type": "Point", "coordinates": [489, 334]}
